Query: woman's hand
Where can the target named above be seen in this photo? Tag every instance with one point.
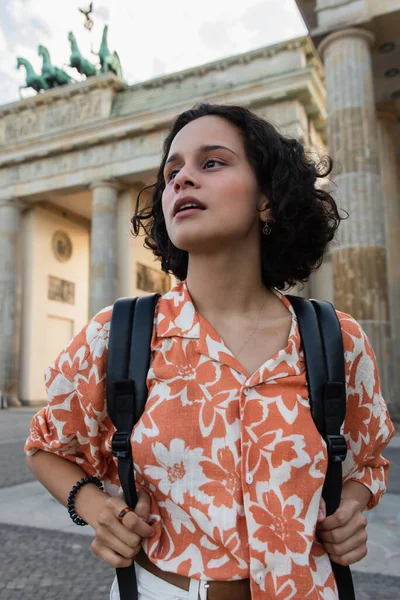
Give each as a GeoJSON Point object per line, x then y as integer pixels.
{"type": "Point", "coordinates": [118, 543]}
{"type": "Point", "coordinates": [343, 534]}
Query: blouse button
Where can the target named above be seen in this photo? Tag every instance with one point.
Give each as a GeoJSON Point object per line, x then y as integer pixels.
{"type": "Point", "coordinates": [246, 391]}
{"type": "Point", "coordinates": [249, 478]}
{"type": "Point", "coordinates": [259, 577]}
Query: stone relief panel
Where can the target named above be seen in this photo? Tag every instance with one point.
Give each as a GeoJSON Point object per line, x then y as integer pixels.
{"type": "Point", "coordinates": [151, 280]}
{"type": "Point", "coordinates": [75, 161]}
{"type": "Point", "coordinates": [61, 290]}
{"type": "Point", "coordinates": [61, 114]}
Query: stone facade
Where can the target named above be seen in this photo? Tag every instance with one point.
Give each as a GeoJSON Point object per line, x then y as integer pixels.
{"type": "Point", "coordinates": [73, 161]}
{"type": "Point", "coordinates": [359, 43]}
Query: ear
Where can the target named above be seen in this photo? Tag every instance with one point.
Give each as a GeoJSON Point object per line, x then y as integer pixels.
{"type": "Point", "coordinates": [263, 207]}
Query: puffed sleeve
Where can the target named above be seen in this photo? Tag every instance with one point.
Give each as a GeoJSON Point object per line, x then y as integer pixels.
{"type": "Point", "coordinates": [367, 426]}
{"type": "Point", "coordinates": [75, 424]}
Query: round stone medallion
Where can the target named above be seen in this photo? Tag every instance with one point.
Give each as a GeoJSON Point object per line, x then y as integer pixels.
{"type": "Point", "coordinates": [62, 246]}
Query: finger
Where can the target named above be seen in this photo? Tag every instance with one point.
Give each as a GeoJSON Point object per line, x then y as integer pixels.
{"type": "Point", "coordinates": [107, 521]}
{"type": "Point", "coordinates": [338, 535]}
{"type": "Point", "coordinates": [109, 556]}
{"type": "Point", "coordinates": [341, 534]}
{"type": "Point", "coordinates": [358, 540]}
{"type": "Point", "coordinates": [135, 524]}
{"type": "Point", "coordinates": [106, 538]}
{"type": "Point", "coordinates": [321, 510]}
{"type": "Point", "coordinates": [131, 521]}
{"type": "Point", "coordinates": [341, 516]}
{"type": "Point", "coordinates": [142, 508]}
{"type": "Point", "coordinates": [351, 557]}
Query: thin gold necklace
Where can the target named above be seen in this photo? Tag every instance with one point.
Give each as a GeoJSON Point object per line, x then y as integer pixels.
{"type": "Point", "coordinates": [255, 328]}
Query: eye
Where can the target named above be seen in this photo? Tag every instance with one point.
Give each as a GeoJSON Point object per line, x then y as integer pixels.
{"type": "Point", "coordinates": [210, 163]}
{"type": "Point", "coordinates": [172, 174]}
{"type": "Point", "coordinates": [214, 161]}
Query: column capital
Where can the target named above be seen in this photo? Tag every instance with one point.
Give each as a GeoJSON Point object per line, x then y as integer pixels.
{"type": "Point", "coordinates": [16, 203]}
{"type": "Point", "coordinates": [108, 183]}
{"type": "Point", "coordinates": [349, 32]}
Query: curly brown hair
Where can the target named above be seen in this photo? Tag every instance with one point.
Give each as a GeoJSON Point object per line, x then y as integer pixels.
{"type": "Point", "coordinates": [304, 217]}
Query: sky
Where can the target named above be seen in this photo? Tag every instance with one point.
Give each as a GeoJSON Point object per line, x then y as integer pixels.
{"type": "Point", "coordinates": [152, 37]}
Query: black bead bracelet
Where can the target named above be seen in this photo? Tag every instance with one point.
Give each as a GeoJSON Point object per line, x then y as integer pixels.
{"type": "Point", "coordinates": [71, 497]}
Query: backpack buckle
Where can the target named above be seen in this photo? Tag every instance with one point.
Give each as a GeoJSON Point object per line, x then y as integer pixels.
{"type": "Point", "coordinates": [337, 448]}
{"type": "Point", "coordinates": [121, 444]}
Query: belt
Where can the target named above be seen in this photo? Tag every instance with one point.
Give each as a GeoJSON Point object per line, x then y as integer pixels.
{"type": "Point", "coordinates": [217, 590]}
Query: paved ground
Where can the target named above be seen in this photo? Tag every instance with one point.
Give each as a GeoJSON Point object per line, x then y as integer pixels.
{"type": "Point", "coordinates": [46, 565]}
{"type": "Point", "coordinates": [44, 556]}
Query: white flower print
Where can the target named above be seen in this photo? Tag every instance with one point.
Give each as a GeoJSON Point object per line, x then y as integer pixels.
{"type": "Point", "coordinates": [97, 338]}
{"type": "Point", "coordinates": [67, 361]}
{"type": "Point", "coordinates": [235, 478]}
{"type": "Point", "coordinates": [328, 594]}
{"type": "Point", "coordinates": [175, 473]}
{"type": "Point", "coordinates": [379, 412]}
{"type": "Point", "coordinates": [61, 386]}
{"type": "Point", "coordinates": [179, 517]}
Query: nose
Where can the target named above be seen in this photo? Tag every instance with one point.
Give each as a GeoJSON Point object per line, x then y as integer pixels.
{"type": "Point", "coordinates": [183, 179]}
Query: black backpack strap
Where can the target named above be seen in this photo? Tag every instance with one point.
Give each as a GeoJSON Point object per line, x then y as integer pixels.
{"type": "Point", "coordinates": [140, 355]}
{"type": "Point", "coordinates": [129, 354]}
{"type": "Point", "coordinates": [314, 358]}
{"type": "Point", "coordinates": [121, 391]}
{"type": "Point", "coordinates": [324, 357]}
{"type": "Point", "coordinates": [334, 400]}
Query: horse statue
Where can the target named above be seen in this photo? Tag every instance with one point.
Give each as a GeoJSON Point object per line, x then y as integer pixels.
{"type": "Point", "coordinates": [33, 80]}
{"type": "Point", "coordinates": [77, 61]}
{"type": "Point", "coordinates": [54, 76]}
{"type": "Point", "coordinates": [108, 61]}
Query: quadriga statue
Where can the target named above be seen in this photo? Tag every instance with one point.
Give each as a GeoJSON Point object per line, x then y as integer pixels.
{"type": "Point", "coordinates": [52, 76]}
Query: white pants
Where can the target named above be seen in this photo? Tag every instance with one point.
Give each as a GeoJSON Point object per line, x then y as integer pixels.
{"type": "Point", "coordinates": [151, 587]}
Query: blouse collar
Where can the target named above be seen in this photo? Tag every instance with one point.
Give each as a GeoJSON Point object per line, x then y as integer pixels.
{"type": "Point", "coordinates": [177, 317]}
{"type": "Point", "coordinates": [176, 314]}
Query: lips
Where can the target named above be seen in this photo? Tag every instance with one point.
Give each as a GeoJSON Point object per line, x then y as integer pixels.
{"type": "Point", "coordinates": [187, 200]}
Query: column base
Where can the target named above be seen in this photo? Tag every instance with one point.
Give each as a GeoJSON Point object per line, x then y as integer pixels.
{"type": "Point", "coordinates": [33, 403]}
{"type": "Point", "coordinates": [9, 401]}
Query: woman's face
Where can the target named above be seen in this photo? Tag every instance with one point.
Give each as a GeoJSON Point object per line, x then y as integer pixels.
{"type": "Point", "coordinates": [207, 166]}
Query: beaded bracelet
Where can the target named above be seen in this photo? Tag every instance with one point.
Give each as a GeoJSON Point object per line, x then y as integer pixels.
{"type": "Point", "coordinates": [71, 497]}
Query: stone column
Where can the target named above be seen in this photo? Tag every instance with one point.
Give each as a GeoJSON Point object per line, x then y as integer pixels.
{"type": "Point", "coordinates": [359, 260]}
{"type": "Point", "coordinates": [125, 243]}
{"type": "Point", "coordinates": [103, 255]}
{"type": "Point", "coordinates": [321, 282]}
{"type": "Point", "coordinates": [10, 287]}
{"type": "Point", "coordinates": [391, 201]}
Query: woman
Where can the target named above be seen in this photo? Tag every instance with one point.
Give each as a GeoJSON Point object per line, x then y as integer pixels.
{"type": "Point", "coordinates": [228, 461]}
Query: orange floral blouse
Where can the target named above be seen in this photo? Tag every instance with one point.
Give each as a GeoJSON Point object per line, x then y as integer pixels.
{"type": "Point", "coordinates": [232, 460]}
